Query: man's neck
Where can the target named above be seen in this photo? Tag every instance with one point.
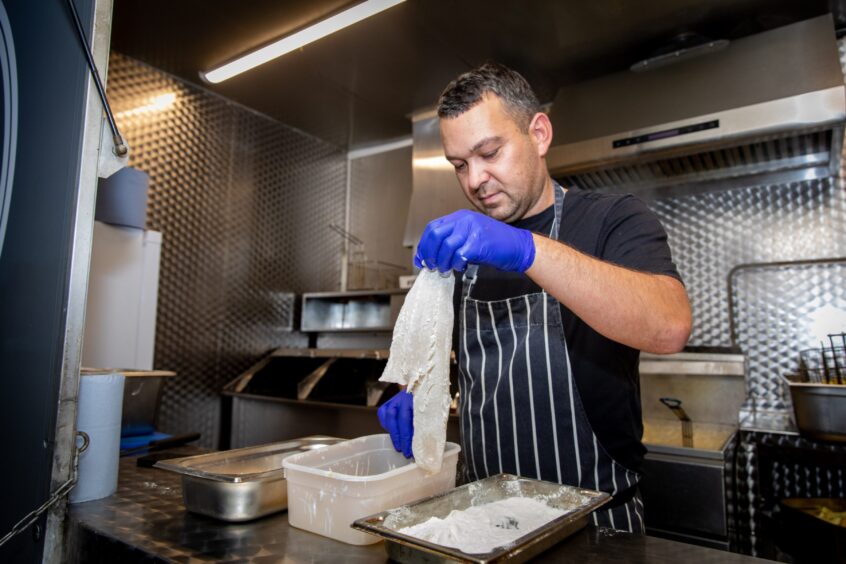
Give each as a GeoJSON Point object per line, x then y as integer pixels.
{"type": "Point", "coordinates": [546, 199]}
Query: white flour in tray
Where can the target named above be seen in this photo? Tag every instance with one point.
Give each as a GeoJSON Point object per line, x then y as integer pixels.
{"type": "Point", "coordinates": [483, 528]}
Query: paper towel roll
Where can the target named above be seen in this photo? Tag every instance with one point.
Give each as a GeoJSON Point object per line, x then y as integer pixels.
{"type": "Point", "coordinates": [99, 413]}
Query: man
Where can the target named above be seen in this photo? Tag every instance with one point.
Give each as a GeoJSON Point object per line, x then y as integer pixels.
{"type": "Point", "coordinates": [561, 290]}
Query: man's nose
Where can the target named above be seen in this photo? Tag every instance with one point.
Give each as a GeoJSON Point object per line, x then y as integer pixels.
{"type": "Point", "coordinates": [477, 176]}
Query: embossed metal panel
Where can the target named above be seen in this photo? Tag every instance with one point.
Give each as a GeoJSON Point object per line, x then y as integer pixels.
{"type": "Point", "coordinates": [711, 233]}
{"type": "Point", "coordinates": [780, 310]}
{"type": "Point", "coordinates": [243, 203]}
{"type": "Point", "coordinates": [380, 192]}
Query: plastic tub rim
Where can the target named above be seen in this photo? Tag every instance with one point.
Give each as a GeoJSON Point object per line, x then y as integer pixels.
{"type": "Point", "coordinates": [289, 463]}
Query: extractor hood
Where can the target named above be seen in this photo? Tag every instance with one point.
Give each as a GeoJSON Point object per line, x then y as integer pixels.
{"type": "Point", "coordinates": [767, 108]}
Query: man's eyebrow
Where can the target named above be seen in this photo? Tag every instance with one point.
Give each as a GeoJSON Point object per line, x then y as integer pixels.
{"type": "Point", "coordinates": [485, 141]}
{"type": "Point", "coordinates": [479, 145]}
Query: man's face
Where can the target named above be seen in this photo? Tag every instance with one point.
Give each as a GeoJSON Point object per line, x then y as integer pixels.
{"type": "Point", "coordinates": [500, 168]}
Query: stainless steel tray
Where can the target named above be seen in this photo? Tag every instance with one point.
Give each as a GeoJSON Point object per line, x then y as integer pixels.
{"type": "Point", "coordinates": [579, 504]}
{"type": "Point", "coordinates": [239, 484]}
{"type": "Point", "coordinates": [819, 409]}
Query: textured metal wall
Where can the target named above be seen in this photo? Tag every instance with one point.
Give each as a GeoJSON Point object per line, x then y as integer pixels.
{"type": "Point", "coordinates": [244, 205]}
{"type": "Point", "coordinates": [380, 194]}
{"type": "Point", "coordinates": [780, 310]}
{"type": "Point", "coordinates": [713, 232]}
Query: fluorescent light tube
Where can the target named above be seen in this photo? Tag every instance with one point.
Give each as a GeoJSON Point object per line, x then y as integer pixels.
{"type": "Point", "coordinates": [295, 41]}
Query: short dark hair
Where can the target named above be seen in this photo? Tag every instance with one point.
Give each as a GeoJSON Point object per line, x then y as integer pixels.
{"type": "Point", "coordinates": [509, 85]}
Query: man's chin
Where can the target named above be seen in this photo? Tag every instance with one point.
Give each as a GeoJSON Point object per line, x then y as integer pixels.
{"type": "Point", "coordinates": [500, 214]}
{"type": "Point", "coordinates": [495, 211]}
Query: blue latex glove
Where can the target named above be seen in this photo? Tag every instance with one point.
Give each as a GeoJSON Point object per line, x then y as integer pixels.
{"type": "Point", "coordinates": [462, 237]}
{"type": "Point", "coordinates": [397, 417]}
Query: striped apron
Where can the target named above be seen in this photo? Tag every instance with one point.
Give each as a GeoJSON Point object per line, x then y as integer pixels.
{"type": "Point", "coordinates": [520, 408]}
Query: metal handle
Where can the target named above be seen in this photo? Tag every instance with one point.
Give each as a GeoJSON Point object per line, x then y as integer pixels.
{"type": "Point", "coordinates": [675, 406]}
{"type": "Point", "coordinates": [687, 425]}
{"type": "Point", "coordinates": [834, 357]}
{"type": "Point", "coordinates": [672, 403]}
{"type": "Point", "coordinates": [345, 234]}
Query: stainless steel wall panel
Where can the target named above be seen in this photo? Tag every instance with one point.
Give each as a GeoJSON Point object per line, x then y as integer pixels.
{"type": "Point", "coordinates": [436, 189]}
{"type": "Point", "coordinates": [780, 310]}
{"type": "Point", "coordinates": [713, 232]}
{"type": "Point", "coordinates": [185, 150]}
{"type": "Point", "coordinates": [244, 204]}
{"type": "Point", "coordinates": [380, 194]}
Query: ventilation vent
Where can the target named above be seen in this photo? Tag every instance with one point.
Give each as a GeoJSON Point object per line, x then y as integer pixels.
{"type": "Point", "coordinates": [796, 157]}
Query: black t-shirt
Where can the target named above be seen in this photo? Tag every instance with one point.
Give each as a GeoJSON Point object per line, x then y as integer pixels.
{"type": "Point", "coordinates": [615, 228]}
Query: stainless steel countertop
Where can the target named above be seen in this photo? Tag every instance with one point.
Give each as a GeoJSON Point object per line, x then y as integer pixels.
{"type": "Point", "coordinates": [760, 421]}
{"type": "Point", "coordinates": [146, 521]}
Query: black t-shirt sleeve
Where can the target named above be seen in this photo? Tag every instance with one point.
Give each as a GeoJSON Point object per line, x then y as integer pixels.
{"type": "Point", "coordinates": [633, 237]}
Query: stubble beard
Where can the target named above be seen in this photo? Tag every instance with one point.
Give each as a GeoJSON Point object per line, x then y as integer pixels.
{"type": "Point", "coordinates": [509, 211]}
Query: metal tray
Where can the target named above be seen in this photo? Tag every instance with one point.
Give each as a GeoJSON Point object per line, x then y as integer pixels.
{"type": "Point", "coordinates": [240, 484]}
{"type": "Point", "coordinates": [819, 410]}
{"type": "Point", "coordinates": [579, 504]}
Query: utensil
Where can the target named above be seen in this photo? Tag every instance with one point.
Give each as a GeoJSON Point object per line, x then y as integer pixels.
{"type": "Point", "coordinates": [834, 357]}
{"type": "Point", "coordinates": [826, 364]}
{"type": "Point", "coordinates": [687, 425]}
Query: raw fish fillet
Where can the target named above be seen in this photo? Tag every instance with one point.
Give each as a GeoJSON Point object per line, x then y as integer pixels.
{"type": "Point", "coordinates": [419, 360]}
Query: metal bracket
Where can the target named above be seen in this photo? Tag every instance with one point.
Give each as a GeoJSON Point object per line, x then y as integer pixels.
{"type": "Point", "coordinates": [308, 383]}
{"type": "Point", "coordinates": [109, 161]}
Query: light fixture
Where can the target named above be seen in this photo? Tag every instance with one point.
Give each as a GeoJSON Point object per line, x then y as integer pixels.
{"type": "Point", "coordinates": [155, 104]}
{"type": "Point", "coordinates": [295, 41]}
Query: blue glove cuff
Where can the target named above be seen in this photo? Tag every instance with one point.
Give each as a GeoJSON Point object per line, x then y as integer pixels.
{"type": "Point", "coordinates": [527, 242]}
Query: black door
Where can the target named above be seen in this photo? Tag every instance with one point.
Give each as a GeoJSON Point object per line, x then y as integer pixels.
{"type": "Point", "coordinates": [35, 260]}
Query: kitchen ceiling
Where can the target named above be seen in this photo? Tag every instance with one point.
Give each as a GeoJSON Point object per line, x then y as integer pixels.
{"type": "Point", "coordinates": [359, 85]}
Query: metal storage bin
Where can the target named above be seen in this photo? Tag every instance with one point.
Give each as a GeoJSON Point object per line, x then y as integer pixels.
{"type": "Point", "coordinates": [351, 311]}
{"type": "Point", "coordinates": [820, 409]}
{"type": "Point", "coordinates": [577, 503]}
{"type": "Point", "coordinates": [241, 484]}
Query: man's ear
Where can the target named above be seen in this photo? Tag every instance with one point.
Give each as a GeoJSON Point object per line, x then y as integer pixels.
{"type": "Point", "coordinates": [540, 130]}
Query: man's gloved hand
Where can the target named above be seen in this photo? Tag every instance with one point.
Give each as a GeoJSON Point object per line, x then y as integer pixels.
{"type": "Point", "coordinates": [462, 237]}
{"type": "Point", "coordinates": [397, 417]}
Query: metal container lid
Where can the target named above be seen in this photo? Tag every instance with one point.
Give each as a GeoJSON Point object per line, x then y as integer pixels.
{"type": "Point", "coordinates": [250, 464]}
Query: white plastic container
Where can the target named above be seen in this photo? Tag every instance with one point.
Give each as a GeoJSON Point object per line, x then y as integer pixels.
{"type": "Point", "coordinates": [331, 487]}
